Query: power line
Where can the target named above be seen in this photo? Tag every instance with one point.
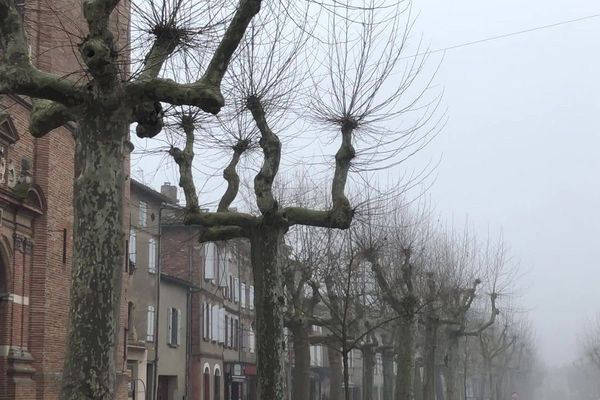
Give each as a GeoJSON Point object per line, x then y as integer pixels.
{"type": "Point", "coordinates": [505, 35]}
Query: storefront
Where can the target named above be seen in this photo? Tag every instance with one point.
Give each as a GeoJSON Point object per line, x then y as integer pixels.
{"type": "Point", "coordinates": [240, 381]}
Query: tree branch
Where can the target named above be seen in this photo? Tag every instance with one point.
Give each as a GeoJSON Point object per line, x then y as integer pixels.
{"type": "Point", "coordinates": [222, 233]}
{"type": "Point", "coordinates": [217, 67]}
{"type": "Point", "coordinates": [489, 323]}
{"type": "Point", "coordinates": [231, 176]}
{"type": "Point", "coordinates": [184, 159]}
{"type": "Point", "coordinates": [271, 147]}
{"type": "Point", "coordinates": [48, 115]}
{"type": "Point", "coordinates": [17, 75]}
{"type": "Point", "coordinates": [198, 94]}
{"type": "Point", "coordinates": [341, 213]}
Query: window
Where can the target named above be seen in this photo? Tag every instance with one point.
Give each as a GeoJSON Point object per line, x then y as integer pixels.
{"type": "Point", "coordinates": [206, 383]}
{"type": "Point", "coordinates": [236, 336]}
{"type": "Point", "coordinates": [251, 299]}
{"type": "Point", "coordinates": [243, 298]}
{"type": "Point", "coordinates": [226, 330]}
{"type": "Point", "coordinates": [378, 364]}
{"type": "Point", "coordinates": [231, 333]}
{"type": "Point", "coordinates": [210, 259]}
{"type": "Point", "coordinates": [152, 256]}
{"type": "Point", "coordinates": [316, 356]}
{"type": "Point", "coordinates": [150, 324]}
{"type": "Point", "coordinates": [132, 251]}
{"type": "Point", "coordinates": [251, 340]}
{"type": "Point", "coordinates": [236, 290]}
{"type": "Point", "coordinates": [174, 326]}
{"type": "Point", "coordinates": [206, 321]}
{"type": "Point", "coordinates": [143, 216]}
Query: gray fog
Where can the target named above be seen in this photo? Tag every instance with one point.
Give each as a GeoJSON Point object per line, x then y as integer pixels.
{"type": "Point", "coordinates": [520, 150]}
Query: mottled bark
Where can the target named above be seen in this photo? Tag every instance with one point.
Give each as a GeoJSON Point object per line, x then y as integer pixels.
{"type": "Point", "coordinates": [301, 371]}
{"type": "Point", "coordinates": [404, 349]}
{"type": "Point", "coordinates": [368, 353]}
{"type": "Point", "coordinates": [451, 366]}
{"type": "Point", "coordinates": [269, 305]}
{"type": "Point", "coordinates": [388, 375]}
{"type": "Point", "coordinates": [89, 371]}
{"type": "Point", "coordinates": [335, 367]}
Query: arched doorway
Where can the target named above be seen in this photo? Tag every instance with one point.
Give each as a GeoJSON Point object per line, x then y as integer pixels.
{"type": "Point", "coordinates": [217, 386]}
{"type": "Point", "coordinates": [206, 383]}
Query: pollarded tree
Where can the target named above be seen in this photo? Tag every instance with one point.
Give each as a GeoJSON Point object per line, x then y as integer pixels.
{"type": "Point", "coordinates": [103, 104]}
{"type": "Point", "coordinates": [363, 87]}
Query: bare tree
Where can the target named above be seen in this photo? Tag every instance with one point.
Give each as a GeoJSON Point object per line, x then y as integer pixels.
{"type": "Point", "coordinates": [103, 106]}
{"type": "Point", "coordinates": [351, 101]}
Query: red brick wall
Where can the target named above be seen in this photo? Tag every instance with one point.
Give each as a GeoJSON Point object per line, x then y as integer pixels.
{"type": "Point", "coordinates": [42, 276]}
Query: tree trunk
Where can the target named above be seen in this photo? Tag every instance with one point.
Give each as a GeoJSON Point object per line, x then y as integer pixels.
{"type": "Point", "coordinates": [335, 365]}
{"type": "Point", "coordinates": [346, 374]}
{"type": "Point", "coordinates": [429, 358]}
{"type": "Point", "coordinates": [388, 375]}
{"type": "Point", "coordinates": [89, 370]}
{"type": "Point", "coordinates": [404, 345]}
{"type": "Point", "coordinates": [301, 371]}
{"type": "Point", "coordinates": [452, 366]}
{"type": "Point", "coordinates": [368, 371]}
{"type": "Point", "coordinates": [269, 304]}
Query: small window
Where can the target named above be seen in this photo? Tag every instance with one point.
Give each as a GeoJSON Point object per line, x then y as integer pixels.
{"type": "Point", "coordinates": [152, 256]}
{"type": "Point", "coordinates": [143, 217]}
{"type": "Point", "coordinates": [150, 324]}
{"type": "Point", "coordinates": [174, 326]}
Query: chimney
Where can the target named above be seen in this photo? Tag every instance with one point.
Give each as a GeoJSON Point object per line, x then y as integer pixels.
{"type": "Point", "coordinates": [169, 191]}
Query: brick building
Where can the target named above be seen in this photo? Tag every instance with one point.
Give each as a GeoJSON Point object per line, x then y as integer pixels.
{"type": "Point", "coordinates": [36, 218]}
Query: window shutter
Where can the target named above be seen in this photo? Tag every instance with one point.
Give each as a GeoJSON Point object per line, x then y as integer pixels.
{"type": "Point", "coordinates": [213, 312]}
{"type": "Point", "coordinates": [252, 344]}
{"type": "Point", "coordinates": [169, 325]}
{"type": "Point", "coordinates": [132, 249]}
{"type": "Point", "coordinates": [251, 300]}
{"type": "Point", "coordinates": [223, 267]}
{"type": "Point", "coordinates": [143, 213]}
{"type": "Point", "coordinates": [243, 297]}
{"type": "Point", "coordinates": [209, 261]}
{"type": "Point", "coordinates": [226, 330]}
{"type": "Point", "coordinates": [152, 256]}
{"type": "Point", "coordinates": [236, 289]}
{"type": "Point", "coordinates": [150, 324]}
{"type": "Point", "coordinates": [178, 327]}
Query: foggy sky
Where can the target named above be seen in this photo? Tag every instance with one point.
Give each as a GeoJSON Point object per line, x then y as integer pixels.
{"type": "Point", "coordinates": [520, 152]}
{"type": "Point", "coordinates": [521, 148]}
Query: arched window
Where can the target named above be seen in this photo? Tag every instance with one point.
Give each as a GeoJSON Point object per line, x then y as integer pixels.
{"type": "Point", "coordinates": [217, 386]}
{"type": "Point", "coordinates": [206, 383]}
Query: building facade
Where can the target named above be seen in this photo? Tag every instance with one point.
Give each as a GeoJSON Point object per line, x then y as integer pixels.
{"type": "Point", "coordinates": [36, 219]}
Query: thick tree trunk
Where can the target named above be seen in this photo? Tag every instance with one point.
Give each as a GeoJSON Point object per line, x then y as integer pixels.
{"type": "Point", "coordinates": [368, 371]}
{"type": "Point", "coordinates": [388, 375]}
{"type": "Point", "coordinates": [89, 370]}
{"type": "Point", "coordinates": [429, 358]}
{"type": "Point", "coordinates": [404, 347]}
{"type": "Point", "coordinates": [269, 305]}
{"type": "Point", "coordinates": [452, 367]}
{"type": "Point", "coordinates": [301, 371]}
{"type": "Point", "coordinates": [335, 365]}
